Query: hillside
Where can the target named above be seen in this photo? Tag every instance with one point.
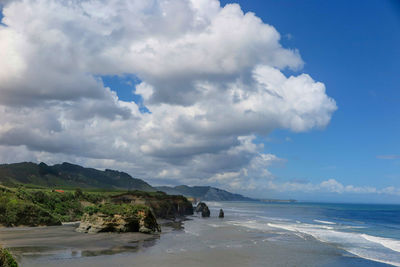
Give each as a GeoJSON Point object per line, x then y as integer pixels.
{"type": "Point", "coordinates": [67, 175]}
{"type": "Point", "coordinates": [206, 193]}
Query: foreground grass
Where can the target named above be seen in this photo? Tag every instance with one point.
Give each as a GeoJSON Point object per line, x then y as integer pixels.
{"type": "Point", "coordinates": [6, 259]}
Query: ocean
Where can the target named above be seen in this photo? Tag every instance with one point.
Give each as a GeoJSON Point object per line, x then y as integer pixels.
{"type": "Point", "coordinates": [367, 231]}
{"type": "Point", "coordinates": [251, 234]}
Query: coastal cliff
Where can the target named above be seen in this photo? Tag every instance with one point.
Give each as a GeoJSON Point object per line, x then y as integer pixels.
{"type": "Point", "coordinates": [119, 218]}
{"type": "Point", "coordinates": [163, 205]}
{"type": "Point", "coordinates": [38, 207]}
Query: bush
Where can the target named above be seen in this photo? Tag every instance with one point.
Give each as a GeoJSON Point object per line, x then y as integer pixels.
{"type": "Point", "coordinates": [6, 259]}
{"type": "Point", "coordinates": [112, 209]}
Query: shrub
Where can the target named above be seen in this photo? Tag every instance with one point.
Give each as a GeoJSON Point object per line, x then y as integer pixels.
{"type": "Point", "coordinates": [6, 259]}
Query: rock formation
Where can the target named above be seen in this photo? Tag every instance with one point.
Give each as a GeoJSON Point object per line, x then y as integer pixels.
{"type": "Point", "coordinates": [205, 212]}
{"type": "Point", "coordinates": [202, 207]}
{"type": "Point", "coordinates": [143, 221]}
{"type": "Point", "coordinates": [163, 205]}
{"type": "Point", "coordinates": [221, 213]}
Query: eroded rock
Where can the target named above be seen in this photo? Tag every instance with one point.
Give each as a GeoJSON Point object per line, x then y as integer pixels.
{"type": "Point", "coordinates": [202, 207]}
{"type": "Point", "coordinates": [142, 221]}
{"type": "Point", "coordinates": [221, 213]}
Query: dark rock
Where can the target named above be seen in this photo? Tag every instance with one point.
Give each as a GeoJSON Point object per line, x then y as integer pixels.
{"type": "Point", "coordinates": [163, 205]}
{"type": "Point", "coordinates": [205, 212]}
{"type": "Point", "coordinates": [201, 206]}
{"type": "Point", "coordinates": [221, 213]}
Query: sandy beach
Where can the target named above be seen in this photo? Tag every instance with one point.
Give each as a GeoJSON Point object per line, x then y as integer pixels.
{"type": "Point", "coordinates": [200, 242]}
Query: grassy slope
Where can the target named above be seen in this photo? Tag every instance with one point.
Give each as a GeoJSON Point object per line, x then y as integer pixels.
{"type": "Point", "coordinates": [67, 175]}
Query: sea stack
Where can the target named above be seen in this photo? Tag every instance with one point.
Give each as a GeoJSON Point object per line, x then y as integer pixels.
{"type": "Point", "coordinates": [205, 212]}
{"type": "Point", "coordinates": [202, 207]}
{"type": "Point", "coordinates": [221, 213]}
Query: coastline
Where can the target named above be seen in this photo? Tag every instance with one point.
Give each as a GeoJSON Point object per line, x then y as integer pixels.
{"type": "Point", "coordinates": [202, 242]}
{"type": "Point", "coordinates": [187, 241]}
{"type": "Point", "coordinates": [63, 242]}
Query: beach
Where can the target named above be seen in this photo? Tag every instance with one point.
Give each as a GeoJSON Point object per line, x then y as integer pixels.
{"type": "Point", "coordinates": [235, 241]}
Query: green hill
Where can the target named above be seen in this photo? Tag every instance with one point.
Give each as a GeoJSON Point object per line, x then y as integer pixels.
{"type": "Point", "coordinates": [67, 175]}
{"type": "Point", "coordinates": [71, 176]}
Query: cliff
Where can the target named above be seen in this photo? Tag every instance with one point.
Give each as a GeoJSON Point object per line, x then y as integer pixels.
{"type": "Point", "coordinates": [163, 205]}
{"type": "Point", "coordinates": [118, 218]}
{"type": "Point", "coordinates": [35, 207]}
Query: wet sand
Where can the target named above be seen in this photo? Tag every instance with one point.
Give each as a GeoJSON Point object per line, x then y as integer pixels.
{"type": "Point", "coordinates": [57, 242]}
{"type": "Point", "coordinates": [202, 242]}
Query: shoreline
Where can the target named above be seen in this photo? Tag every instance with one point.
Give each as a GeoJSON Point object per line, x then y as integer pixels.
{"type": "Point", "coordinates": [184, 241]}
{"type": "Point", "coordinates": [62, 241]}
{"type": "Point", "coordinates": [202, 242]}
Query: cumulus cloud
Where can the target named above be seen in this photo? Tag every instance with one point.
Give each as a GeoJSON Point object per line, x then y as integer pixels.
{"type": "Point", "coordinates": [211, 77]}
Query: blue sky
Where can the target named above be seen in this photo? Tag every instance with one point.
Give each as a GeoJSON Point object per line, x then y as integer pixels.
{"type": "Point", "coordinates": [171, 123]}
{"type": "Point", "coordinates": [354, 48]}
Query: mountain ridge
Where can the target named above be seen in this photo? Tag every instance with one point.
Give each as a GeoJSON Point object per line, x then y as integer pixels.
{"type": "Point", "coordinates": [68, 175]}
{"type": "Point", "coordinates": [205, 193]}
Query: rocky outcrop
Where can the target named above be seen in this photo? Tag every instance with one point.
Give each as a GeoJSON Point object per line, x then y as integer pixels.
{"type": "Point", "coordinates": [163, 205]}
{"type": "Point", "coordinates": [202, 207]}
{"type": "Point", "coordinates": [205, 212]}
{"type": "Point", "coordinates": [221, 213]}
{"type": "Point", "coordinates": [143, 221]}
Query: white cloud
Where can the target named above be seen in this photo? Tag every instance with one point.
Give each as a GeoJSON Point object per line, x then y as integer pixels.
{"type": "Point", "coordinates": [211, 78]}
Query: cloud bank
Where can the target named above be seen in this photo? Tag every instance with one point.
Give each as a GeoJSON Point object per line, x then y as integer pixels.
{"type": "Point", "coordinates": [212, 78]}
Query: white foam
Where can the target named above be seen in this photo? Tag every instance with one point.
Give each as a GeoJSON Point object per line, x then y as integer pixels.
{"type": "Point", "coordinates": [215, 225]}
{"type": "Point", "coordinates": [324, 222]}
{"type": "Point", "coordinates": [371, 257]}
{"type": "Point", "coordinates": [361, 245]}
{"type": "Point", "coordinates": [273, 218]}
{"type": "Point", "coordinates": [386, 242]}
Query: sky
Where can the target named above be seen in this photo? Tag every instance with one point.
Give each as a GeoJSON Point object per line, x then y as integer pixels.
{"type": "Point", "coordinates": [270, 99]}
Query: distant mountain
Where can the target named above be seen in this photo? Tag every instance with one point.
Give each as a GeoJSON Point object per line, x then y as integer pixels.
{"type": "Point", "coordinates": [206, 193]}
{"type": "Point", "coordinates": [68, 175]}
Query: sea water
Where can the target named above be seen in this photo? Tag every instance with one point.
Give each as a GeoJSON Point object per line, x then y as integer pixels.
{"type": "Point", "coordinates": [367, 231]}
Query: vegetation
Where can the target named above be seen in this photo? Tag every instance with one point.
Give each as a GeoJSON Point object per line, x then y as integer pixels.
{"type": "Point", "coordinates": [6, 259]}
{"type": "Point", "coordinates": [121, 209]}
{"type": "Point", "coordinates": [67, 176]}
{"type": "Point", "coordinates": [33, 207]}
